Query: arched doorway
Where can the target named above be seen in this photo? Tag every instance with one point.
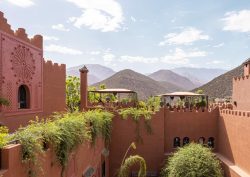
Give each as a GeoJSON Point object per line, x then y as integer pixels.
{"type": "Point", "coordinates": [23, 97]}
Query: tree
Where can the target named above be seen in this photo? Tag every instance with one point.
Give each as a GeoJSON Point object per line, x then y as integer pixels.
{"type": "Point", "coordinates": [193, 160]}
{"type": "Point", "coordinates": [73, 93]}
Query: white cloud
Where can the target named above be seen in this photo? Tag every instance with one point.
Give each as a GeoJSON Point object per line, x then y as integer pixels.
{"type": "Point", "coordinates": [95, 53]}
{"type": "Point", "coordinates": [108, 57]}
{"type": "Point", "coordinates": [219, 45]}
{"type": "Point", "coordinates": [103, 15]}
{"type": "Point", "coordinates": [133, 19]}
{"type": "Point", "coordinates": [62, 49]}
{"type": "Point", "coordinates": [186, 37]}
{"type": "Point", "coordinates": [214, 62]}
{"type": "Point", "coordinates": [173, 20]}
{"type": "Point", "coordinates": [237, 21]}
{"type": "Point", "coordinates": [50, 38]}
{"type": "Point", "coordinates": [141, 59]}
{"type": "Point", "coordinates": [179, 56]}
{"type": "Point", "coordinates": [22, 3]}
{"type": "Point", "coordinates": [60, 27]}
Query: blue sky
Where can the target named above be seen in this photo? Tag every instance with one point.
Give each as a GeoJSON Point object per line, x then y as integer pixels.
{"type": "Point", "coordinates": [144, 35]}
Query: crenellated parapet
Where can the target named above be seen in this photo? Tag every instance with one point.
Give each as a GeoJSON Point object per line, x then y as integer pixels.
{"type": "Point", "coordinates": [187, 110]}
{"type": "Point", "coordinates": [242, 78]}
{"type": "Point", "coordinates": [20, 33]}
{"type": "Point", "coordinates": [235, 113]}
{"type": "Point", "coordinates": [55, 66]}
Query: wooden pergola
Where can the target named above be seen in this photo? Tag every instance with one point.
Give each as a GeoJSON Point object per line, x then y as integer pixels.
{"type": "Point", "coordinates": [187, 97]}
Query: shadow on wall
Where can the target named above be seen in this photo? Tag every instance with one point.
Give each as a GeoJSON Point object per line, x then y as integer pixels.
{"type": "Point", "coordinates": [224, 145]}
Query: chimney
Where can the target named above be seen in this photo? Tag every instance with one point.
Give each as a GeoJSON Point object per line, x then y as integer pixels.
{"type": "Point", "coordinates": [247, 67]}
{"type": "Point", "coordinates": [84, 87]}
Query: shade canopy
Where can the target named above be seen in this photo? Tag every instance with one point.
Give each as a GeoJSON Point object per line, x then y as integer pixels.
{"type": "Point", "coordinates": [113, 90]}
{"type": "Point", "coordinates": [181, 94]}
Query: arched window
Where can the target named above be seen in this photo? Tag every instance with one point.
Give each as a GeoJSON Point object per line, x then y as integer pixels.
{"type": "Point", "coordinates": [185, 141]}
{"type": "Point", "coordinates": [23, 97]}
{"type": "Point", "coordinates": [210, 142]}
{"type": "Point", "coordinates": [177, 142]}
{"type": "Point", "coordinates": [201, 140]}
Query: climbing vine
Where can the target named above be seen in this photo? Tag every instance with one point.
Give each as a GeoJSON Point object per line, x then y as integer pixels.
{"type": "Point", "coordinates": [144, 110]}
{"type": "Point", "coordinates": [64, 132]}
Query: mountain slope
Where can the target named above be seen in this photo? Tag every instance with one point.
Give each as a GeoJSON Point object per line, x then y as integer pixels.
{"type": "Point", "coordinates": [199, 76]}
{"type": "Point", "coordinates": [96, 72]}
{"type": "Point", "coordinates": [169, 76]}
{"type": "Point", "coordinates": [132, 80]}
{"type": "Point", "coordinates": [170, 87]}
{"type": "Point", "coordinates": [221, 86]}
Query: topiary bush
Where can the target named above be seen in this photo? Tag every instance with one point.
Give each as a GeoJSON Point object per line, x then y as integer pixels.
{"type": "Point", "coordinates": [193, 160]}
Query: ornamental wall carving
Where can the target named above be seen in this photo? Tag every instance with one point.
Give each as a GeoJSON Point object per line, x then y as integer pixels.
{"type": "Point", "coordinates": [21, 64]}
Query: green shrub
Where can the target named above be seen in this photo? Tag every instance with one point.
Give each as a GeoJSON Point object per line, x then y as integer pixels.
{"type": "Point", "coordinates": [3, 136]}
{"type": "Point", "coordinates": [193, 160]}
{"type": "Point", "coordinates": [4, 102]}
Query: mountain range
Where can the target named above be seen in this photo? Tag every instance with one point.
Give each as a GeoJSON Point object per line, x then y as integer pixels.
{"type": "Point", "coordinates": [96, 73]}
{"type": "Point", "coordinates": [221, 86]}
{"type": "Point", "coordinates": [199, 76]}
{"type": "Point", "coordinates": [169, 76]}
{"type": "Point", "coordinates": [129, 79]}
{"type": "Point", "coordinates": [162, 81]}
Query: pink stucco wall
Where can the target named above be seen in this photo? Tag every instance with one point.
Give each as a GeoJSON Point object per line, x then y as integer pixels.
{"type": "Point", "coordinates": [22, 63]}
{"type": "Point", "coordinates": [84, 157]}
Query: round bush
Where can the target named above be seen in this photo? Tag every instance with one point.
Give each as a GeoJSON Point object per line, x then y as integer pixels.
{"type": "Point", "coordinates": [193, 160]}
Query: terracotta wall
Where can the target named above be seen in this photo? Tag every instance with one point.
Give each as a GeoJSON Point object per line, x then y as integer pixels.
{"type": "Point", "coordinates": [189, 124]}
{"type": "Point", "coordinates": [80, 160]}
{"type": "Point", "coordinates": [233, 137]}
{"type": "Point", "coordinates": [54, 98]}
{"type": "Point", "coordinates": [152, 148]}
{"type": "Point", "coordinates": [241, 93]}
{"type": "Point", "coordinates": [165, 125]}
{"type": "Point", "coordinates": [54, 90]}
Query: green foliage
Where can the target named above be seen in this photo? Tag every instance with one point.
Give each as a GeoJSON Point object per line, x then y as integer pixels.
{"type": "Point", "coordinates": [143, 110]}
{"type": "Point", "coordinates": [100, 124]}
{"type": "Point", "coordinates": [193, 160]}
{"type": "Point", "coordinates": [129, 162]}
{"type": "Point", "coordinates": [64, 132]}
{"type": "Point", "coordinates": [3, 136]}
{"type": "Point", "coordinates": [153, 103]}
{"type": "Point", "coordinates": [4, 102]}
{"type": "Point", "coordinates": [93, 97]}
{"type": "Point", "coordinates": [73, 93]}
{"type": "Point", "coordinates": [136, 114]}
{"type": "Point", "coordinates": [97, 97]}
{"type": "Point", "coordinates": [200, 91]}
